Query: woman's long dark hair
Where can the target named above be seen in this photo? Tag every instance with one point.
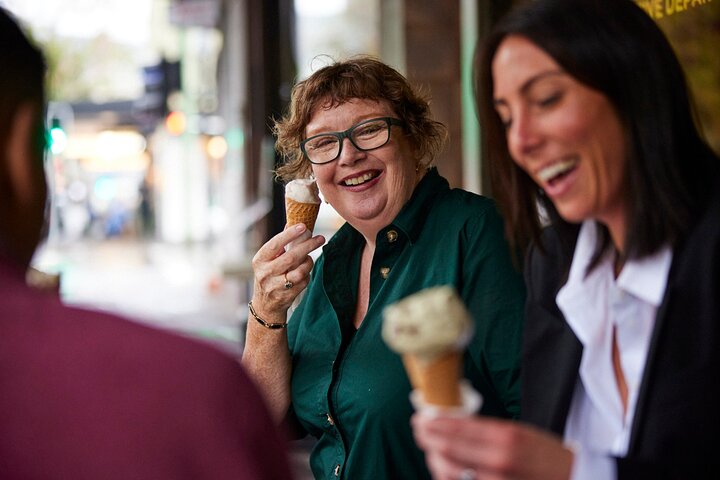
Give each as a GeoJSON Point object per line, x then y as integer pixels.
{"type": "Point", "coordinates": [23, 73]}
{"type": "Point", "coordinates": [614, 47]}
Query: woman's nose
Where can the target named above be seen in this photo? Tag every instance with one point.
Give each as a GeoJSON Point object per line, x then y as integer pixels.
{"type": "Point", "coordinates": [523, 136]}
{"type": "Point", "coordinates": [349, 153]}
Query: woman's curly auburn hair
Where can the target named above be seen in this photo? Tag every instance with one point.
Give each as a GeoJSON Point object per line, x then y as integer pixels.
{"type": "Point", "coordinates": [361, 77]}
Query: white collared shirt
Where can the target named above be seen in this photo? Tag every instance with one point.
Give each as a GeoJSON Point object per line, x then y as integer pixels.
{"type": "Point", "coordinates": [594, 304]}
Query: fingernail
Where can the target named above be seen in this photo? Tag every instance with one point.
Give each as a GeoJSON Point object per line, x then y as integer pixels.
{"type": "Point", "coordinates": [300, 227]}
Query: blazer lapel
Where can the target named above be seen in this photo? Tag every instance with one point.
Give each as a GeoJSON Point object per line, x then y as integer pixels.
{"type": "Point", "coordinates": [561, 363]}
{"type": "Point", "coordinates": [551, 353]}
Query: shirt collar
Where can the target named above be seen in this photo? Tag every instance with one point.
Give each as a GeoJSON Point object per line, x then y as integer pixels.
{"type": "Point", "coordinates": [645, 278]}
{"type": "Point", "coordinates": [411, 218]}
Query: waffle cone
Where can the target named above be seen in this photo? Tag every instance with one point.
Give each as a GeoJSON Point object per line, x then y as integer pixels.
{"type": "Point", "coordinates": [439, 380]}
{"type": "Point", "coordinates": [297, 212]}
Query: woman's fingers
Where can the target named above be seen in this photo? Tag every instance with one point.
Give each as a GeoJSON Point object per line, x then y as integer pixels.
{"type": "Point", "coordinates": [272, 259]}
{"type": "Point", "coordinates": [442, 469]}
{"type": "Point", "coordinates": [466, 441]}
{"type": "Point", "coordinates": [491, 447]}
{"type": "Point", "coordinates": [297, 254]}
{"type": "Point", "coordinates": [300, 276]}
{"type": "Point", "coordinates": [281, 275]}
{"type": "Point", "coordinates": [276, 245]}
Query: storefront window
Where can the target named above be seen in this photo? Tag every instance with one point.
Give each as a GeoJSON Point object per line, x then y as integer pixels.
{"type": "Point", "coordinates": [330, 31]}
{"type": "Point", "coordinates": [693, 27]}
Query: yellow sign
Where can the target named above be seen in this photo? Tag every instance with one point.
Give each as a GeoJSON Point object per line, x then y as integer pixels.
{"type": "Point", "coordinates": [664, 8]}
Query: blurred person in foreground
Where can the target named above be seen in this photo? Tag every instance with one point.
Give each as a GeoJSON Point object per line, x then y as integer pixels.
{"type": "Point", "coordinates": [85, 395]}
{"type": "Point", "coordinates": [368, 139]}
{"type": "Point", "coordinates": [588, 119]}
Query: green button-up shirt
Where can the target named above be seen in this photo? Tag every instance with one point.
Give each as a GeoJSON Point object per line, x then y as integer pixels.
{"type": "Point", "coordinates": [348, 389]}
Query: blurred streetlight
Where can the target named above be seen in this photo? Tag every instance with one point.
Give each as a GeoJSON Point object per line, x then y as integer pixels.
{"type": "Point", "coordinates": [217, 147]}
{"type": "Point", "coordinates": [176, 123]}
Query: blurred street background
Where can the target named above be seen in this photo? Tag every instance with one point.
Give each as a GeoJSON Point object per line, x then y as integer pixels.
{"type": "Point", "coordinates": [175, 286]}
{"type": "Point", "coordinates": [161, 150]}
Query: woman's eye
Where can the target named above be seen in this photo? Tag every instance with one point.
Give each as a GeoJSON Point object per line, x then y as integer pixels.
{"type": "Point", "coordinates": [549, 100]}
{"type": "Point", "coordinates": [368, 131]}
{"type": "Point", "coordinates": [321, 143]}
{"type": "Point", "coordinates": [505, 121]}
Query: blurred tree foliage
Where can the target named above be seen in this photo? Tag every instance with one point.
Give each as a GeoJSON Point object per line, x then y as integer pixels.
{"type": "Point", "coordinates": [95, 69]}
{"type": "Point", "coordinates": [695, 35]}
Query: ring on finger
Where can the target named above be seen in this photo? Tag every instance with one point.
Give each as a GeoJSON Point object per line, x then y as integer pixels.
{"type": "Point", "coordinates": [288, 283]}
{"type": "Point", "coordinates": [468, 474]}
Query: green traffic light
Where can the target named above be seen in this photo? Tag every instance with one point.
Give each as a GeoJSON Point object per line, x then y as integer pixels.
{"type": "Point", "coordinates": [58, 137]}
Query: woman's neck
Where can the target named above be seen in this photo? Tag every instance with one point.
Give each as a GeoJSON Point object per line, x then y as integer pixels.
{"type": "Point", "coordinates": [617, 227]}
{"type": "Point", "coordinates": [617, 237]}
{"type": "Point", "coordinates": [363, 293]}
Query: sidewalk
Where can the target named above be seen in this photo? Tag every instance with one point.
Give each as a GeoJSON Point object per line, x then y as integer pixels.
{"type": "Point", "coordinates": [177, 287]}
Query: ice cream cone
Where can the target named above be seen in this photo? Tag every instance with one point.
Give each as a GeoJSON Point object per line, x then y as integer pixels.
{"type": "Point", "coordinates": [297, 212]}
{"type": "Point", "coordinates": [412, 369]}
{"type": "Point", "coordinates": [302, 202]}
{"type": "Point", "coordinates": [439, 380]}
{"type": "Point", "coordinates": [430, 330]}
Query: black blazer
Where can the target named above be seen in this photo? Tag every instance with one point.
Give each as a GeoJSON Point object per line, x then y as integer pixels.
{"type": "Point", "coordinates": [676, 429]}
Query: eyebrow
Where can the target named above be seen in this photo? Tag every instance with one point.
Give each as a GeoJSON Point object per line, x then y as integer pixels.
{"type": "Point", "coordinates": [530, 82]}
{"type": "Point", "coordinates": [323, 130]}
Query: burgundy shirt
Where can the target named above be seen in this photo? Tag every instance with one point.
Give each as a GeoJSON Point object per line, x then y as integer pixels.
{"type": "Point", "coordinates": [87, 395]}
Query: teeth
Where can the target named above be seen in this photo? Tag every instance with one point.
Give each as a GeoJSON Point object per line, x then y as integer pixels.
{"type": "Point", "coordinates": [555, 169]}
{"type": "Point", "coordinates": [359, 180]}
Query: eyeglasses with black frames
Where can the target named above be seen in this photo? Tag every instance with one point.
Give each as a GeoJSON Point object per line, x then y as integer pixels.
{"type": "Point", "coordinates": [366, 135]}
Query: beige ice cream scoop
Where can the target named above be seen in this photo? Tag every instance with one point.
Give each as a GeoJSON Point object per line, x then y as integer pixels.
{"type": "Point", "coordinates": [430, 330]}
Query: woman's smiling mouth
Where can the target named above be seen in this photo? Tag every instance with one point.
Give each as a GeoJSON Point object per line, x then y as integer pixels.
{"type": "Point", "coordinates": [553, 172]}
{"type": "Point", "coordinates": [359, 180]}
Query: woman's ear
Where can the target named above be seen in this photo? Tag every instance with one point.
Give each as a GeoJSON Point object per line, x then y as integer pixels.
{"type": "Point", "coordinates": [21, 164]}
{"type": "Point", "coordinates": [24, 191]}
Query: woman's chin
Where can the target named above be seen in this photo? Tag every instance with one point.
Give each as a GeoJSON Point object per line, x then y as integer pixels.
{"type": "Point", "coordinates": [368, 218]}
{"type": "Point", "coordinates": [361, 217]}
{"type": "Point", "coordinates": [571, 214]}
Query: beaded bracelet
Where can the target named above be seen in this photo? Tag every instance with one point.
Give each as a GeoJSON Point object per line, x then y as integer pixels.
{"type": "Point", "coordinates": [271, 326]}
